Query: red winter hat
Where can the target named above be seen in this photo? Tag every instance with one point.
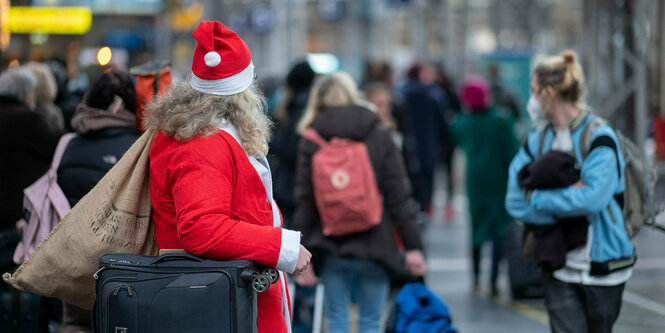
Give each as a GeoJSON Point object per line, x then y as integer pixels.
{"type": "Point", "coordinates": [222, 63]}
{"type": "Point", "coordinates": [475, 94]}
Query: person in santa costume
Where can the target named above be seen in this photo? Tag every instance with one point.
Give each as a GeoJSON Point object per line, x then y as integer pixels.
{"type": "Point", "coordinates": [210, 183]}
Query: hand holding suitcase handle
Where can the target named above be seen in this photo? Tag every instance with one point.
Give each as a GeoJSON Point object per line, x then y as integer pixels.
{"type": "Point", "coordinates": [175, 256]}
{"type": "Point", "coordinates": [261, 277]}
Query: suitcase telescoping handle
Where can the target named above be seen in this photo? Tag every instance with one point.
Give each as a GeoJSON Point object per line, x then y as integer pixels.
{"type": "Point", "coordinates": [260, 277]}
{"type": "Point", "coordinates": [175, 256]}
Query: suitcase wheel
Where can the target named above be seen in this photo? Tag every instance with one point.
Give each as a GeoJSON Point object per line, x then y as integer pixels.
{"type": "Point", "coordinates": [260, 283]}
{"type": "Point", "coordinates": [271, 274]}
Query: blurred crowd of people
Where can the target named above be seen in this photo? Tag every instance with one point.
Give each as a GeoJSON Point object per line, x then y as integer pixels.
{"type": "Point", "coordinates": [424, 117]}
{"type": "Point", "coordinates": [249, 192]}
{"type": "Point", "coordinates": [38, 107]}
{"type": "Point", "coordinates": [427, 116]}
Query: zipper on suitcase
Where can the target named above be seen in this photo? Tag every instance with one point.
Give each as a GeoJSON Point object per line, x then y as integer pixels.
{"type": "Point", "coordinates": [114, 291]}
{"type": "Point", "coordinates": [96, 275]}
{"type": "Point", "coordinates": [162, 271]}
{"type": "Point", "coordinates": [121, 287]}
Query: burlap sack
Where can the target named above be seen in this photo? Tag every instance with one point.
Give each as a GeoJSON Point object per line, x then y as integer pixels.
{"type": "Point", "coordinates": [114, 217]}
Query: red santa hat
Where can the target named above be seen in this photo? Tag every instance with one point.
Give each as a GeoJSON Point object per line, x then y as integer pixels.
{"type": "Point", "coordinates": [222, 63]}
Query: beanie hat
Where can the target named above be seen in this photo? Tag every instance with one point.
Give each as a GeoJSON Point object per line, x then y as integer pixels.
{"type": "Point", "coordinates": [475, 94]}
{"type": "Point", "coordinates": [222, 63]}
{"type": "Point", "coordinates": [300, 77]}
{"type": "Point", "coordinates": [414, 71]}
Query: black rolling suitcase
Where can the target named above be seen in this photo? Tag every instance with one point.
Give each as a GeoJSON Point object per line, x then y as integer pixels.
{"type": "Point", "coordinates": [177, 293]}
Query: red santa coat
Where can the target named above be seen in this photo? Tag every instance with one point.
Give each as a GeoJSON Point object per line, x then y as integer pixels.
{"type": "Point", "coordinates": [209, 200]}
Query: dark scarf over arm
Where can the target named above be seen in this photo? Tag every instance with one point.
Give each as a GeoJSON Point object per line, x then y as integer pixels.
{"type": "Point", "coordinates": [551, 243]}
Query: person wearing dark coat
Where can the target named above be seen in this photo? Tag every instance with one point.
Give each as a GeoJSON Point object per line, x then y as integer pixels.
{"type": "Point", "coordinates": [106, 127]}
{"type": "Point", "coordinates": [503, 97]}
{"type": "Point", "coordinates": [70, 93]}
{"type": "Point", "coordinates": [358, 265]}
{"type": "Point", "coordinates": [453, 107]}
{"type": "Point", "coordinates": [45, 94]}
{"type": "Point", "coordinates": [26, 142]}
{"type": "Point", "coordinates": [284, 145]}
{"type": "Point", "coordinates": [283, 156]}
{"type": "Point", "coordinates": [399, 124]}
{"type": "Point", "coordinates": [426, 104]}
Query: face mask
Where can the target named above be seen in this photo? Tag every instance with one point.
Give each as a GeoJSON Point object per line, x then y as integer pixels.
{"type": "Point", "coordinates": [534, 109]}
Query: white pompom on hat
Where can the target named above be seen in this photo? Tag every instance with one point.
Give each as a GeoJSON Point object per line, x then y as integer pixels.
{"type": "Point", "coordinates": [222, 63]}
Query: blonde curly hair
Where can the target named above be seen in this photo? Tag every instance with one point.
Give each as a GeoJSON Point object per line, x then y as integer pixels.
{"type": "Point", "coordinates": [184, 113]}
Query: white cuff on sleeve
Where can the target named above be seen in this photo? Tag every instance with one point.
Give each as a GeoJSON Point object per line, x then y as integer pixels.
{"type": "Point", "coordinates": [289, 252]}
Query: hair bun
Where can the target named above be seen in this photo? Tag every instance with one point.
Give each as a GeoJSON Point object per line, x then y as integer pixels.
{"type": "Point", "coordinates": [569, 57]}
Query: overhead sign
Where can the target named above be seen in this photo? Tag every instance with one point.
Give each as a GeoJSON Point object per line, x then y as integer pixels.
{"type": "Point", "coordinates": [50, 20]}
{"type": "Point", "coordinates": [109, 7]}
{"type": "Point", "coordinates": [187, 19]}
{"type": "Point", "coordinates": [5, 36]}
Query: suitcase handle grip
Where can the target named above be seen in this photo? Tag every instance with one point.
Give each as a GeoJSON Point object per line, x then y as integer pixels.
{"type": "Point", "coordinates": [176, 256]}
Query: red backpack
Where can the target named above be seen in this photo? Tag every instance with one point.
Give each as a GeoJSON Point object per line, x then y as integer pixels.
{"type": "Point", "coordinates": [345, 188]}
{"type": "Point", "coordinates": [152, 79]}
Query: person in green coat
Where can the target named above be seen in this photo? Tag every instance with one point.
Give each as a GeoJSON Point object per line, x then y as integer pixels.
{"type": "Point", "coordinates": [489, 145]}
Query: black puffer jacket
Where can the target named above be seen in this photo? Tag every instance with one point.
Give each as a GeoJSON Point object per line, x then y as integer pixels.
{"type": "Point", "coordinates": [26, 149]}
{"type": "Point", "coordinates": [284, 155]}
{"type": "Point", "coordinates": [377, 244]}
{"type": "Point", "coordinates": [90, 156]}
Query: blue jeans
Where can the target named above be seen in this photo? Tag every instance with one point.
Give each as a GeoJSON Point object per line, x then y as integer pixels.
{"type": "Point", "coordinates": [364, 281]}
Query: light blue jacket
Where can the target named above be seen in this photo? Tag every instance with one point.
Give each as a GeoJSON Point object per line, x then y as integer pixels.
{"type": "Point", "coordinates": [611, 248]}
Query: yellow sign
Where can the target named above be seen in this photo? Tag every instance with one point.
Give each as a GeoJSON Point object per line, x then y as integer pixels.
{"type": "Point", "coordinates": [50, 20]}
{"type": "Point", "coordinates": [188, 19]}
{"type": "Point", "coordinates": [5, 36]}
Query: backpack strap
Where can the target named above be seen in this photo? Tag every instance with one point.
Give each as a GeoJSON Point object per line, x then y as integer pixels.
{"type": "Point", "coordinates": [606, 141]}
{"type": "Point", "coordinates": [541, 143]}
{"type": "Point", "coordinates": [587, 135]}
{"type": "Point", "coordinates": [60, 149]}
{"type": "Point", "coordinates": [526, 148]}
{"type": "Point", "coordinates": [587, 146]}
{"type": "Point", "coordinates": [156, 86]}
{"type": "Point", "coordinates": [541, 140]}
{"type": "Point", "coordinates": [312, 135]}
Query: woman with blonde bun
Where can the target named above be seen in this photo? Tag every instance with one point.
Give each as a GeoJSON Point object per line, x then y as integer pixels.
{"type": "Point", "coordinates": [585, 294]}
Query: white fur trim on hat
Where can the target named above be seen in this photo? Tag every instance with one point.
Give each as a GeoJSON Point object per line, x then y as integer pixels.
{"type": "Point", "coordinates": [227, 86]}
{"type": "Point", "coordinates": [212, 59]}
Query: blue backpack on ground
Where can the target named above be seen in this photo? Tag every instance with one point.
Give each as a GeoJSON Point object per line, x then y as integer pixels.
{"type": "Point", "coordinates": [419, 310]}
